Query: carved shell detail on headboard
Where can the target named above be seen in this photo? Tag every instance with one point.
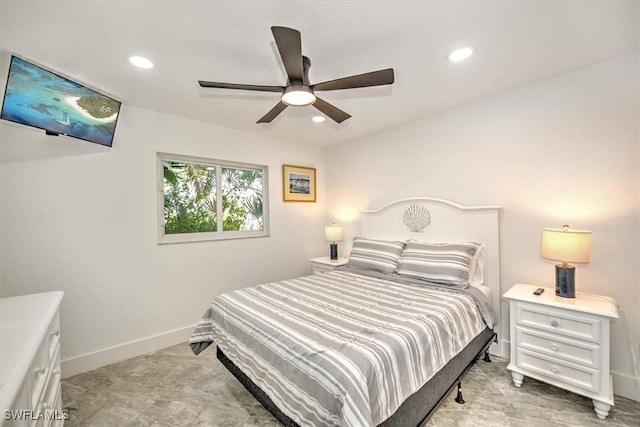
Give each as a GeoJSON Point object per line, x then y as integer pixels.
{"type": "Point", "coordinates": [417, 218]}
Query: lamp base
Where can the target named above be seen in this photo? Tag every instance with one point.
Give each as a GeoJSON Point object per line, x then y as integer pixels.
{"type": "Point", "coordinates": [334, 250]}
{"type": "Point", "coordinates": [565, 281]}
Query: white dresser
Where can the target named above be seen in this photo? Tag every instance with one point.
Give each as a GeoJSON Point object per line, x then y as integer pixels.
{"type": "Point", "coordinates": [562, 341]}
{"type": "Point", "coordinates": [30, 360]}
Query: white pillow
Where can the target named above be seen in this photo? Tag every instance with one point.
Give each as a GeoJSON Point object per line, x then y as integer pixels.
{"type": "Point", "coordinates": [379, 255]}
{"type": "Point", "coordinates": [444, 263]}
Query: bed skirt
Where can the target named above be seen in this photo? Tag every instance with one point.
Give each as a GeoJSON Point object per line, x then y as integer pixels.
{"type": "Point", "coordinates": [416, 410]}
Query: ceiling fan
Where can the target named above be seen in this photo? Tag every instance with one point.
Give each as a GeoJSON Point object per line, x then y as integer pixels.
{"type": "Point", "coordinates": [298, 91]}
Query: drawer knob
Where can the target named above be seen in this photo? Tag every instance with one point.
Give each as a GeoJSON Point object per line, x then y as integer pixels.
{"type": "Point", "coordinates": [39, 371]}
{"type": "Point", "coordinates": [554, 323]}
{"type": "Point", "coordinates": [55, 334]}
{"type": "Point", "coordinates": [554, 347]}
{"type": "Point", "coordinates": [554, 369]}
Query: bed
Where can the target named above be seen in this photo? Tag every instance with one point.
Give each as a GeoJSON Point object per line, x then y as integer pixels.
{"type": "Point", "coordinates": [381, 341]}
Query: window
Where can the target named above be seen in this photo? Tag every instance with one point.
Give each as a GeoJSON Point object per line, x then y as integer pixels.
{"type": "Point", "coordinates": [204, 199]}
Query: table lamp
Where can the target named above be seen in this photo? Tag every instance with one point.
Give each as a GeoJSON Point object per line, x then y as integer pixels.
{"type": "Point", "coordinates": [333, 234]}
{"type": "Point", "coordinates": [566, 245]}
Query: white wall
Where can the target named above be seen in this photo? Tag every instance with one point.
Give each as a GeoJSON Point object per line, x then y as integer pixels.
{"type": "Point", "coordinates": [82, 218]}
{"type": "Point", "coordinates": [564, 150]}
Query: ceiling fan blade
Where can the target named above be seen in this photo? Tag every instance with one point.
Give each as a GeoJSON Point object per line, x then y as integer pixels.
{"type": "Point", "coordinates": [374, 78]}
{"type": "Point", "coordinates": [333, 112]}
{"type": "Point", "coordinates": [241, 86]}
{"type": "Point", "coordinates": [273, 113]}
{"type": "Point", "coordinates": [290, 48]}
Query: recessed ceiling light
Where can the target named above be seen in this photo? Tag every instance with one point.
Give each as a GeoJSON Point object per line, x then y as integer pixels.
{"type": "Point", "coordinates": [318, 119]}
{"type": "Point", "coordinates": [141, 62]}
{"type": "Point", "coordinates": [460, 54]}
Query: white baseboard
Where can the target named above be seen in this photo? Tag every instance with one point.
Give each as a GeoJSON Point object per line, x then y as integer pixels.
{"type": "Point", "coordinates": [97, 359]}
{"type": "Point", "coordinates": [625, 386]}
{"type": "Point", "coordinates": [502, 348]}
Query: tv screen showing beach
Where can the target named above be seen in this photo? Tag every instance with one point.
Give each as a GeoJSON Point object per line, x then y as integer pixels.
{"type": "Point", "coordinates": [39, 98]}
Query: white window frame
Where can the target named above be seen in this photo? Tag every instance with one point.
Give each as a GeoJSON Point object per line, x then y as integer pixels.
{"type": "Point", "coordinates": [214, 235]}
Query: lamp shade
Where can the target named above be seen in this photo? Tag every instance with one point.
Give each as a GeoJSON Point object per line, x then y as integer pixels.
{"type": "Point", "coordinates": [333, 233]}
{"type": "Point", "coordinates": [565, 244]}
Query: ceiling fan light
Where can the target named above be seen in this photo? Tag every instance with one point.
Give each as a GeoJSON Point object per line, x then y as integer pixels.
{"type": "Point", "coordinates": [298, 96]}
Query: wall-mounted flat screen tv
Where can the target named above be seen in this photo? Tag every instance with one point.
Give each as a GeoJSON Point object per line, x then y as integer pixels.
{"type": "Point", "coordinates": [42, 99]}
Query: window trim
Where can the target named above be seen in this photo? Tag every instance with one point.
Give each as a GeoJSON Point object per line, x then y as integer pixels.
{"type": "Point", "coordinates": [164, 239]}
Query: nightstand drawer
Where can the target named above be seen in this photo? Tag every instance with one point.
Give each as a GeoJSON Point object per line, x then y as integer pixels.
{"type": "Point", "coordinates": [559, 372]}
{"type": "Point", "coordinates": [584, 353]}
{"type": "Point", "coordinates": [324, 264]}
{"type": "Point", "coordinates": [558, 321]}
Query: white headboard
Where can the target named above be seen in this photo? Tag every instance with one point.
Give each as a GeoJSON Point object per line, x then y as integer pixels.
{"type": "Point", "coordinates": [447, 222]}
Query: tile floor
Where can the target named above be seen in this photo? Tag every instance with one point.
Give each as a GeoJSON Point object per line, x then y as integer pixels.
{"type": "Point", "coordinates": [172, 387]}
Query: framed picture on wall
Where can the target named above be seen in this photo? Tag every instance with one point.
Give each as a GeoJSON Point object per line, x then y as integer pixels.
{"type": "Point", "coordinates": [298, 183]}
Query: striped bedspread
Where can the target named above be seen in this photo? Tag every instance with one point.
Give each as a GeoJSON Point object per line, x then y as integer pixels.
{"type": "Point", "coordinates": [340, 348]}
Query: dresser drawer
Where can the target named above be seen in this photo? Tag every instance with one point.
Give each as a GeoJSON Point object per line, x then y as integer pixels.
{"type": "Point", "coordinates": [560, 373]}
{"type": "Point", "coordinates": [44, 361]}
{"type": "Point", "coordinates": [38, 374]}
{"type": "Point", "coordinates": [53, 336]}
{"type": "Point", "coordinates": [53, 384]}
{"type": "Point", "coordinates": [584, 353]}
{"type": "Point", "coordinates": [50, 413]}
{"type": "Point", "coordinates": [562, 322]}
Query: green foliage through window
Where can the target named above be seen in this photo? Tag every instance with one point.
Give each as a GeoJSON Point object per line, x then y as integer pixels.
{"type": "Point", "coordinates": [193, 192]}
{"type": "Point", "coordinates": [189, 198]}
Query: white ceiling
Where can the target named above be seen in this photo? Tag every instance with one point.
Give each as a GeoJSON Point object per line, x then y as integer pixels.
{"type": "Point", "coordinates": [515, 43]}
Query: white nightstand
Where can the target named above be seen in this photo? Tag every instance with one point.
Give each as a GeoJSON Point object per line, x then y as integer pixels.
{"type": "Point", "coordinates": [562, 341]}
{"type": "Point", "coordinates": [324, 263]}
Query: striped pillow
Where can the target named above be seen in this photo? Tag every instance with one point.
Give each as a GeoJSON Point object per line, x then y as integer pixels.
{"type": "Point", "coordinates": [445, 263]}
{"type": "Point", "coordinates": [379, 255]}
